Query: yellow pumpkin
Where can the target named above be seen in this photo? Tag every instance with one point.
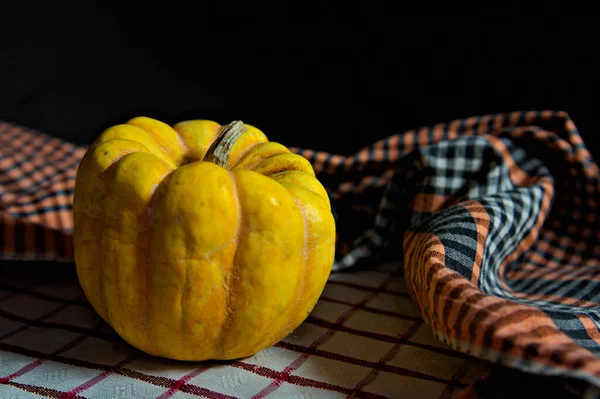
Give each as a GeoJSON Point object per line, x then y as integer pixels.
{"type": "Point", "coordinates": [200, 241]}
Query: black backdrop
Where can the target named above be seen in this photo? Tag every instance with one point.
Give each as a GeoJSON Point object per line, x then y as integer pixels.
{"type": "Point", "coordinates": [326, 78]}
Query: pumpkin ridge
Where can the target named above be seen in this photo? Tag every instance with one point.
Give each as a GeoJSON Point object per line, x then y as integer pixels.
{"type": "Point", "coordinates": [145, 315]}
{"type": "Point", "coordinates": [101, 274]}
{"type": "Point", "coordinates": [301, 179]}
{"type": "Point", "coordinates": [103, 312]}
{"type": "Point", "coordinates": [156, 130]}
{"type": "Point", "coordinates": [233, 273]}
{"type": "Point", "coordinates": [113, 140]}
{"type": "Point", "coordinates": [182, 143]}
{"type": "Point", "coordinates": [300, 287]}
{"type": "Point", "coordinates": [285, 184]}
{"type": "Point", "coordinates": [289, 161]}
{"type": "Point", "coordinates": [243, 154]}
{"type": "Point", "coordinates": [245, 144]}
{"type": "Point", "coordinates": [260, 160]}
{"type": "Point", "coordinates": [101, 142]}
{"type": "Point", "coordinates": [103, 175]}
{"type": "Point", "coordinates": [149, 332]}
{"type": "Point", "coordinates": [198, 135]}
{"type": "Point", "coordinates": [184, 287]}
{"type": "Point", "coordinates": [263, 161]}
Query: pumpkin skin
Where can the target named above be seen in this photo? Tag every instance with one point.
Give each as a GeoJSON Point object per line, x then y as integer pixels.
{"type": "Point", "coordinates": [189, 260]}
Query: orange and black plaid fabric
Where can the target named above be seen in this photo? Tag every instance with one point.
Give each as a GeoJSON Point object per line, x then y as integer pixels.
{"type": "Point", "coordinates": [495, 219]}
{"type": "Point", "coordinates": [37, 178]}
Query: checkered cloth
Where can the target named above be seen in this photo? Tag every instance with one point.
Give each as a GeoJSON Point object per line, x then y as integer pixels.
{"type": "Point", "coordinates": [494, 220]}
{"type": "Point", "coordinates": [364, 337]}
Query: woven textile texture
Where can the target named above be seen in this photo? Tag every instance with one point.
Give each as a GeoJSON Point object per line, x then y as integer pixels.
{"type": "Point", "coordinates": [494, 220]}
{"type": "Point", "coordinates": [364, 338]}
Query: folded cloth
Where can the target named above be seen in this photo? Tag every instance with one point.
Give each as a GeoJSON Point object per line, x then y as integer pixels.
{"type": "Point", "coordinates": [495, 219]}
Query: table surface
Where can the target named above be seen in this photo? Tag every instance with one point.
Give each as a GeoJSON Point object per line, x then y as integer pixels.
{"type": "Point", "coordinates": [365, 338]}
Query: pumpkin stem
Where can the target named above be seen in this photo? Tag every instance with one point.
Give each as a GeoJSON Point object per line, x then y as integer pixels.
{"type": "Point", "coordinates": [218, 153]}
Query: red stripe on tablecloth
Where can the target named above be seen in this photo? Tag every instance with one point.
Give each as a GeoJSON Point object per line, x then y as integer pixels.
{"type": "Point", "coordinates": [364, 287]}
{"type": "Point", "coordinates": [181, 382]}
{"type": "Point", "coordinates": [293, 347]}
{"type": "Point", "coordinates": [59, 326]}
{"type": "Point", "coordinates": [154, 380]}
{"type": "Point", "coordinates": [285, 374]}
{"type": "Point", "coordinates": [21, 371]}
{"type": "Point", "coordinates": [27, 325]}
{"type": "Point", "coordinates": [112, 337]}
{"type": "Point", "coordinates": [383, 367]}
{"type": "Point", "coordinates": [358, 286]}
{"type": "Point", "coordinates": [39, 390]}
{"type": "Point", "coordinates": [84, 303]}
{"type": "Point", "coordinates": [207, 393]}
{"type": "Point", "coordinates": [293, 379]}
{"type": "Point", "coordinates": [460, 372]}
{"type": "Point", "coordinates": [282, 376]}
{"type": "Point", "coordinates": [372, 309]}
{"type": "Point", "coordinates": [86, 385]}
{"type": "Point", "coordinates": [169, 382]}
{"type": "Point", "coordinates": [271, 373]}
{"type": "Point", "coordinates": [369, 378]}
{"type": "Point", "coordinates": [40, 295]}
{"type": "Point", "coordinates": [297, 348]}
{"type": "Point", "coordinates": [93, 381]}
{"type": "Point", "coordinates": [368, 334]}
{"type": "Point", "coordinates": [36, 363]}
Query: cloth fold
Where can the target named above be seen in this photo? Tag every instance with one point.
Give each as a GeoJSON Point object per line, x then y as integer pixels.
{"type": "Point", "coordinates": [495, 219]}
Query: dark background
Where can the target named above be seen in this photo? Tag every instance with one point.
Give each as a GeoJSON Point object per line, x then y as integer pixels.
{"type": "Point", "coordinates": [327, 78]}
